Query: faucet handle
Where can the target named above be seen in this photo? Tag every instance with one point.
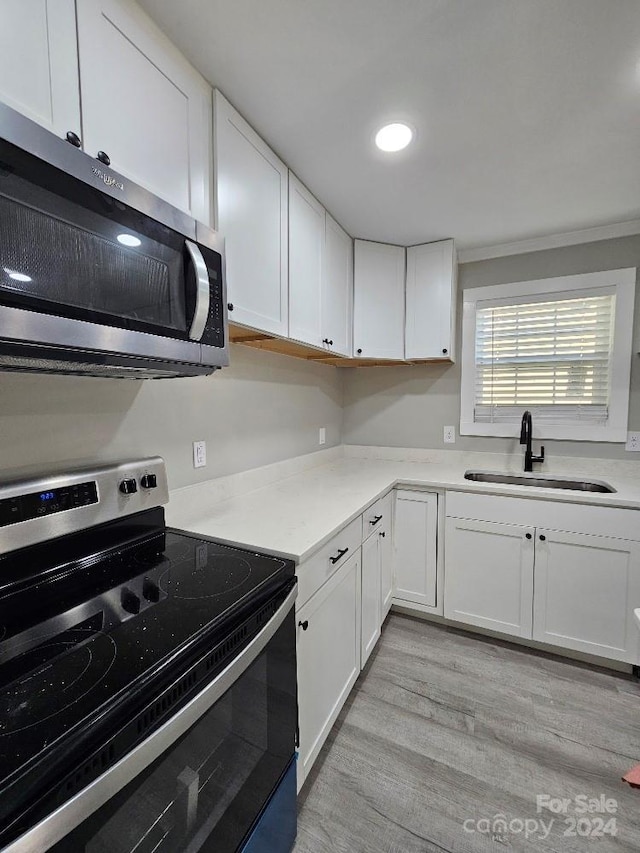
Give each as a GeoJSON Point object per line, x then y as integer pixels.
{"type": "Point", "coordinates": [539, 458]}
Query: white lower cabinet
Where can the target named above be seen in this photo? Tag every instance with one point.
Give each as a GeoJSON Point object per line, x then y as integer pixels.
{"type": "Point", "coordinates": [385, 540]}
{"type": "Point", "coordinates": [562, 574]}
{"type": "Point", "coordinates": [328, 649]}
{"type": "Point", "coordinates": [489, 575]}
{"type": "Point", "coordinates": [415, 547]}
{"type": "Point", "coordinates": [585, 592]}
{"type": "Point", "coordinates": [371, 592]}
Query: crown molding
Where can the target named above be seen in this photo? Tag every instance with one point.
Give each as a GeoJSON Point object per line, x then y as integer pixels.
{"type": "Point", "coordinates": [551, 241]}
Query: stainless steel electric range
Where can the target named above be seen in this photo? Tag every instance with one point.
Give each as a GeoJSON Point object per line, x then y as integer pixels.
{"type": "Point", "coordinates": [147, 676]}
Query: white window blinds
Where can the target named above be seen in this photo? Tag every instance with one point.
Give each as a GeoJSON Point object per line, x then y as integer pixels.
{"type": "Point", "coordinates": [551, 355]}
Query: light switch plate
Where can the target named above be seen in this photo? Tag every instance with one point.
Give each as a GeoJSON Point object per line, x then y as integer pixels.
{"type": "Point", "coordinates": [199, 454]}
{"type": "Point", "coordinates": [322, 435]}
{"type": "Point", "coordinates": [633, 441]}
{"type": "Point", "coordinates": [449, 435]}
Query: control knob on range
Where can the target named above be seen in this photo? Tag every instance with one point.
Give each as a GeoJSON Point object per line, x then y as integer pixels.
{"type": "Point", "coordinates": [149, 481]}
{"type": "Point", "coordinates": [129, 601]}
{"type": "Point", "coordinates": [150, 590]}
{"type": "Point", "coordinates": [128, 487]}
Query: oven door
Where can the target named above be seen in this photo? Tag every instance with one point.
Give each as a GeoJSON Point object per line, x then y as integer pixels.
{"type": "Point", "coordinates": [202, 780]}
{"type": "Point", "coordinates": [80, 269]}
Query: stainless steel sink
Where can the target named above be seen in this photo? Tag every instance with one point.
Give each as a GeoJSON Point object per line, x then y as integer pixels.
{"type": "Point", "coordinates": [539, 481]}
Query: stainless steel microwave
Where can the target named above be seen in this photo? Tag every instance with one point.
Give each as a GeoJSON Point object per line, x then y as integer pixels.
{"type": "Point", "coordinates": [97, 275]}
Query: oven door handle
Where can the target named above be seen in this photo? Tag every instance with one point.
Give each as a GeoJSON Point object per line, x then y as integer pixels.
{"type": "Point", "coordinates": [203, 292]}
{"type": "Point", "coordinates": [71, 814]}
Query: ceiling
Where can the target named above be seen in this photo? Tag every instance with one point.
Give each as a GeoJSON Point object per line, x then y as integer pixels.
{"type": "Point", "coordinates": [527, 112]}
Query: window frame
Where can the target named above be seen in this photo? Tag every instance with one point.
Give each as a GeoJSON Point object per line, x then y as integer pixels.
{"type": "Point", "coordinates": [615, 430]}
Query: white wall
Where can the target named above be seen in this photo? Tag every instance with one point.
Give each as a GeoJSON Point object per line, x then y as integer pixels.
{"type": "Point", "coordinates": [409, 406]}
{"type": "Point", "coordinates": [264, 408]}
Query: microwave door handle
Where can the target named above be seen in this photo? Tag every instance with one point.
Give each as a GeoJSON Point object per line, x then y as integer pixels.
{"type": "Point", "coordinates": [203, 292]}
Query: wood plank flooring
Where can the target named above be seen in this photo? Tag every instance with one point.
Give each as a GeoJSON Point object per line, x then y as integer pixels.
{"type": "Point", "coordinates": [444, 727]}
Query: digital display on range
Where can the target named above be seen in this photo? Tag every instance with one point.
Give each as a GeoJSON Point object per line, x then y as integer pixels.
{"type": "Point", "coordinates": [37, 504]}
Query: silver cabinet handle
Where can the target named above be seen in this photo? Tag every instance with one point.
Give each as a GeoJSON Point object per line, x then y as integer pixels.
{"type": "Point", "coordinates": [71, 814]}
{"type": "Point", "coordinates": [203, 292]}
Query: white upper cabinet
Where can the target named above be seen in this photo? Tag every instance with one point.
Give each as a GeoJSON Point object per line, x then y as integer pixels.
{"type": "Point", "coordinates": [306, 253]}
{"type": "Point", "coordinates": [337, 289]}
{"type": "Point", "coordinates": [39, 62]}
{"type": "Point", "coordinates": [144, 105]}
{"type": "Point", "coordinates": [252, 215]}
{"type": "Point", "coordinates": [378, 300]}
{"type": "Point", "coordinates": [431, 301]}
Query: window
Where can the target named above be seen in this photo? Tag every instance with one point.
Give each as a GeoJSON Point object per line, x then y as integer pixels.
{"type": "Point", "coordinates": [559, 347]}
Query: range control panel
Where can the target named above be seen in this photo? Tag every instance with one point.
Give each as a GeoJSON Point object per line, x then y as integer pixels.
{"type": "Point", "coordinates": [37, 504]}
{"type": "Point", "coordinates": [39, 508]}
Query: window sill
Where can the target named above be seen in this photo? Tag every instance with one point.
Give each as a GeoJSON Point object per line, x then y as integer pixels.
{"type": "Point", "coordinates": [561, 432]}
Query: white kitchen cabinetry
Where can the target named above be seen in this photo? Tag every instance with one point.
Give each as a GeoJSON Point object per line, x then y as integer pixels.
{"type": "Point", "coordinates": [431, 301]}
{"type": "Point", "coordinates": [376, 571]}
{"type": "Point", "coordinates": [415, 547]}
{"type": "Point", "coordinates": [371, 591]}
{"type": "Point", "coordinates": [585, 590]}
{"type": "Point", "coordinates": [488, 578]}
{"type": "Point", "coordinates": [306, 256]}
{"type": "Point", "coordinates": [328, 652]}
{"type": "Point", "coordinates": [378, 300]}
{"type": "Point", "coordinates": [39, 62]}
{"type": "Point", "coordinates": [337, 289]}
{"type": "Point", "coordinates": [144, 105]}
{"type": "Point", "coordinates": [252, 214]}
{"type": "Point", "coordinates": [385, 544]}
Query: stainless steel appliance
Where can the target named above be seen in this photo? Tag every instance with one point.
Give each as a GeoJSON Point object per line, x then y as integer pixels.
{"type": "Point", "coordinates": [148, 696]}
{"type": "Point", "coordinates": [98, 276]}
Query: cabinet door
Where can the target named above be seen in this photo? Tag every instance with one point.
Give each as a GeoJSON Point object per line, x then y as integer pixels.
{"type": "Point", "coordinates": [386, 567]}
{"type": "Point", "coordinates": [144, 105]}
{"type": "Point", "coordinates": [252, 215]}
{"type": "Point", "coordinates": [488, 575]}
{"type": "Point", "coordinates": [337, 288]}
{"type": "Point", "coordinates": [39, 62]}
{"type": "Point", "coordinates": [415, 547]}
{"type": "Point", "coordinates": [371, 586]}
{"type": "Point", "coordinates": [431, 301]}
{"type": "Point", "coordinates": [328, 658]}
{"type": "Point", "coordinates": [306, 251]}
{"type": "Point", "coordinates": [378, 300]}
{"type": "Point", "coordinates": [586, 588]}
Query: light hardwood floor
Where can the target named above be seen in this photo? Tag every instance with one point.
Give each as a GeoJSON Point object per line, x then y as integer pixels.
{"type": "Point", "coordinates": [444, 727]}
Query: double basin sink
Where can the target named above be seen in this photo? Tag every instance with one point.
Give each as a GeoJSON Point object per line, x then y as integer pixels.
{"type": "Point", "coordinates": [539, 482]}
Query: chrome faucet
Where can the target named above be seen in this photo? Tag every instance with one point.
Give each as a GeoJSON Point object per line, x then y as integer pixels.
{"type": "Point", "coordinates": [526, 435]}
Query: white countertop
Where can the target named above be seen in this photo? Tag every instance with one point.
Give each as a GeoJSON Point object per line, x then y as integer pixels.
{"type": "Point", "coordinates": [295, 515]}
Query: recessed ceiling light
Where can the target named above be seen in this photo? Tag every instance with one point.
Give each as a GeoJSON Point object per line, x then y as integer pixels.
{"type": "Point", "coordinates": [394, 137]}
{"type": "Point", "coordinates": [17, 276]}
{"type": "Point", "coordinates": [128, 240]}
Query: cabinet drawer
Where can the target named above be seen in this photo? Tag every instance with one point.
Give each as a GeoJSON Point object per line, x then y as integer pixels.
{"type": "Point", "coordinates": [614, 522]}
{"type": "Point", "coordinates": [376, 516]}
{"type": "Point", "coordinates": [315, 571]}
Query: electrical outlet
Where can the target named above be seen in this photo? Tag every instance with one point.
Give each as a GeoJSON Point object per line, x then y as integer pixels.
{"type": "Point", "coordinates": [633, 441]}
{"type": "Point", "coordinates": [449, 435]}
{"type": "Point", "coordinates": [322, 435]}
{"type": "Point", "coordinates": [199, 454]}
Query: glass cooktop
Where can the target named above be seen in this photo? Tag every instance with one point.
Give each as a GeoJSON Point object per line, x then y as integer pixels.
{"type": "Point", "coordinates": [86, 636]}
